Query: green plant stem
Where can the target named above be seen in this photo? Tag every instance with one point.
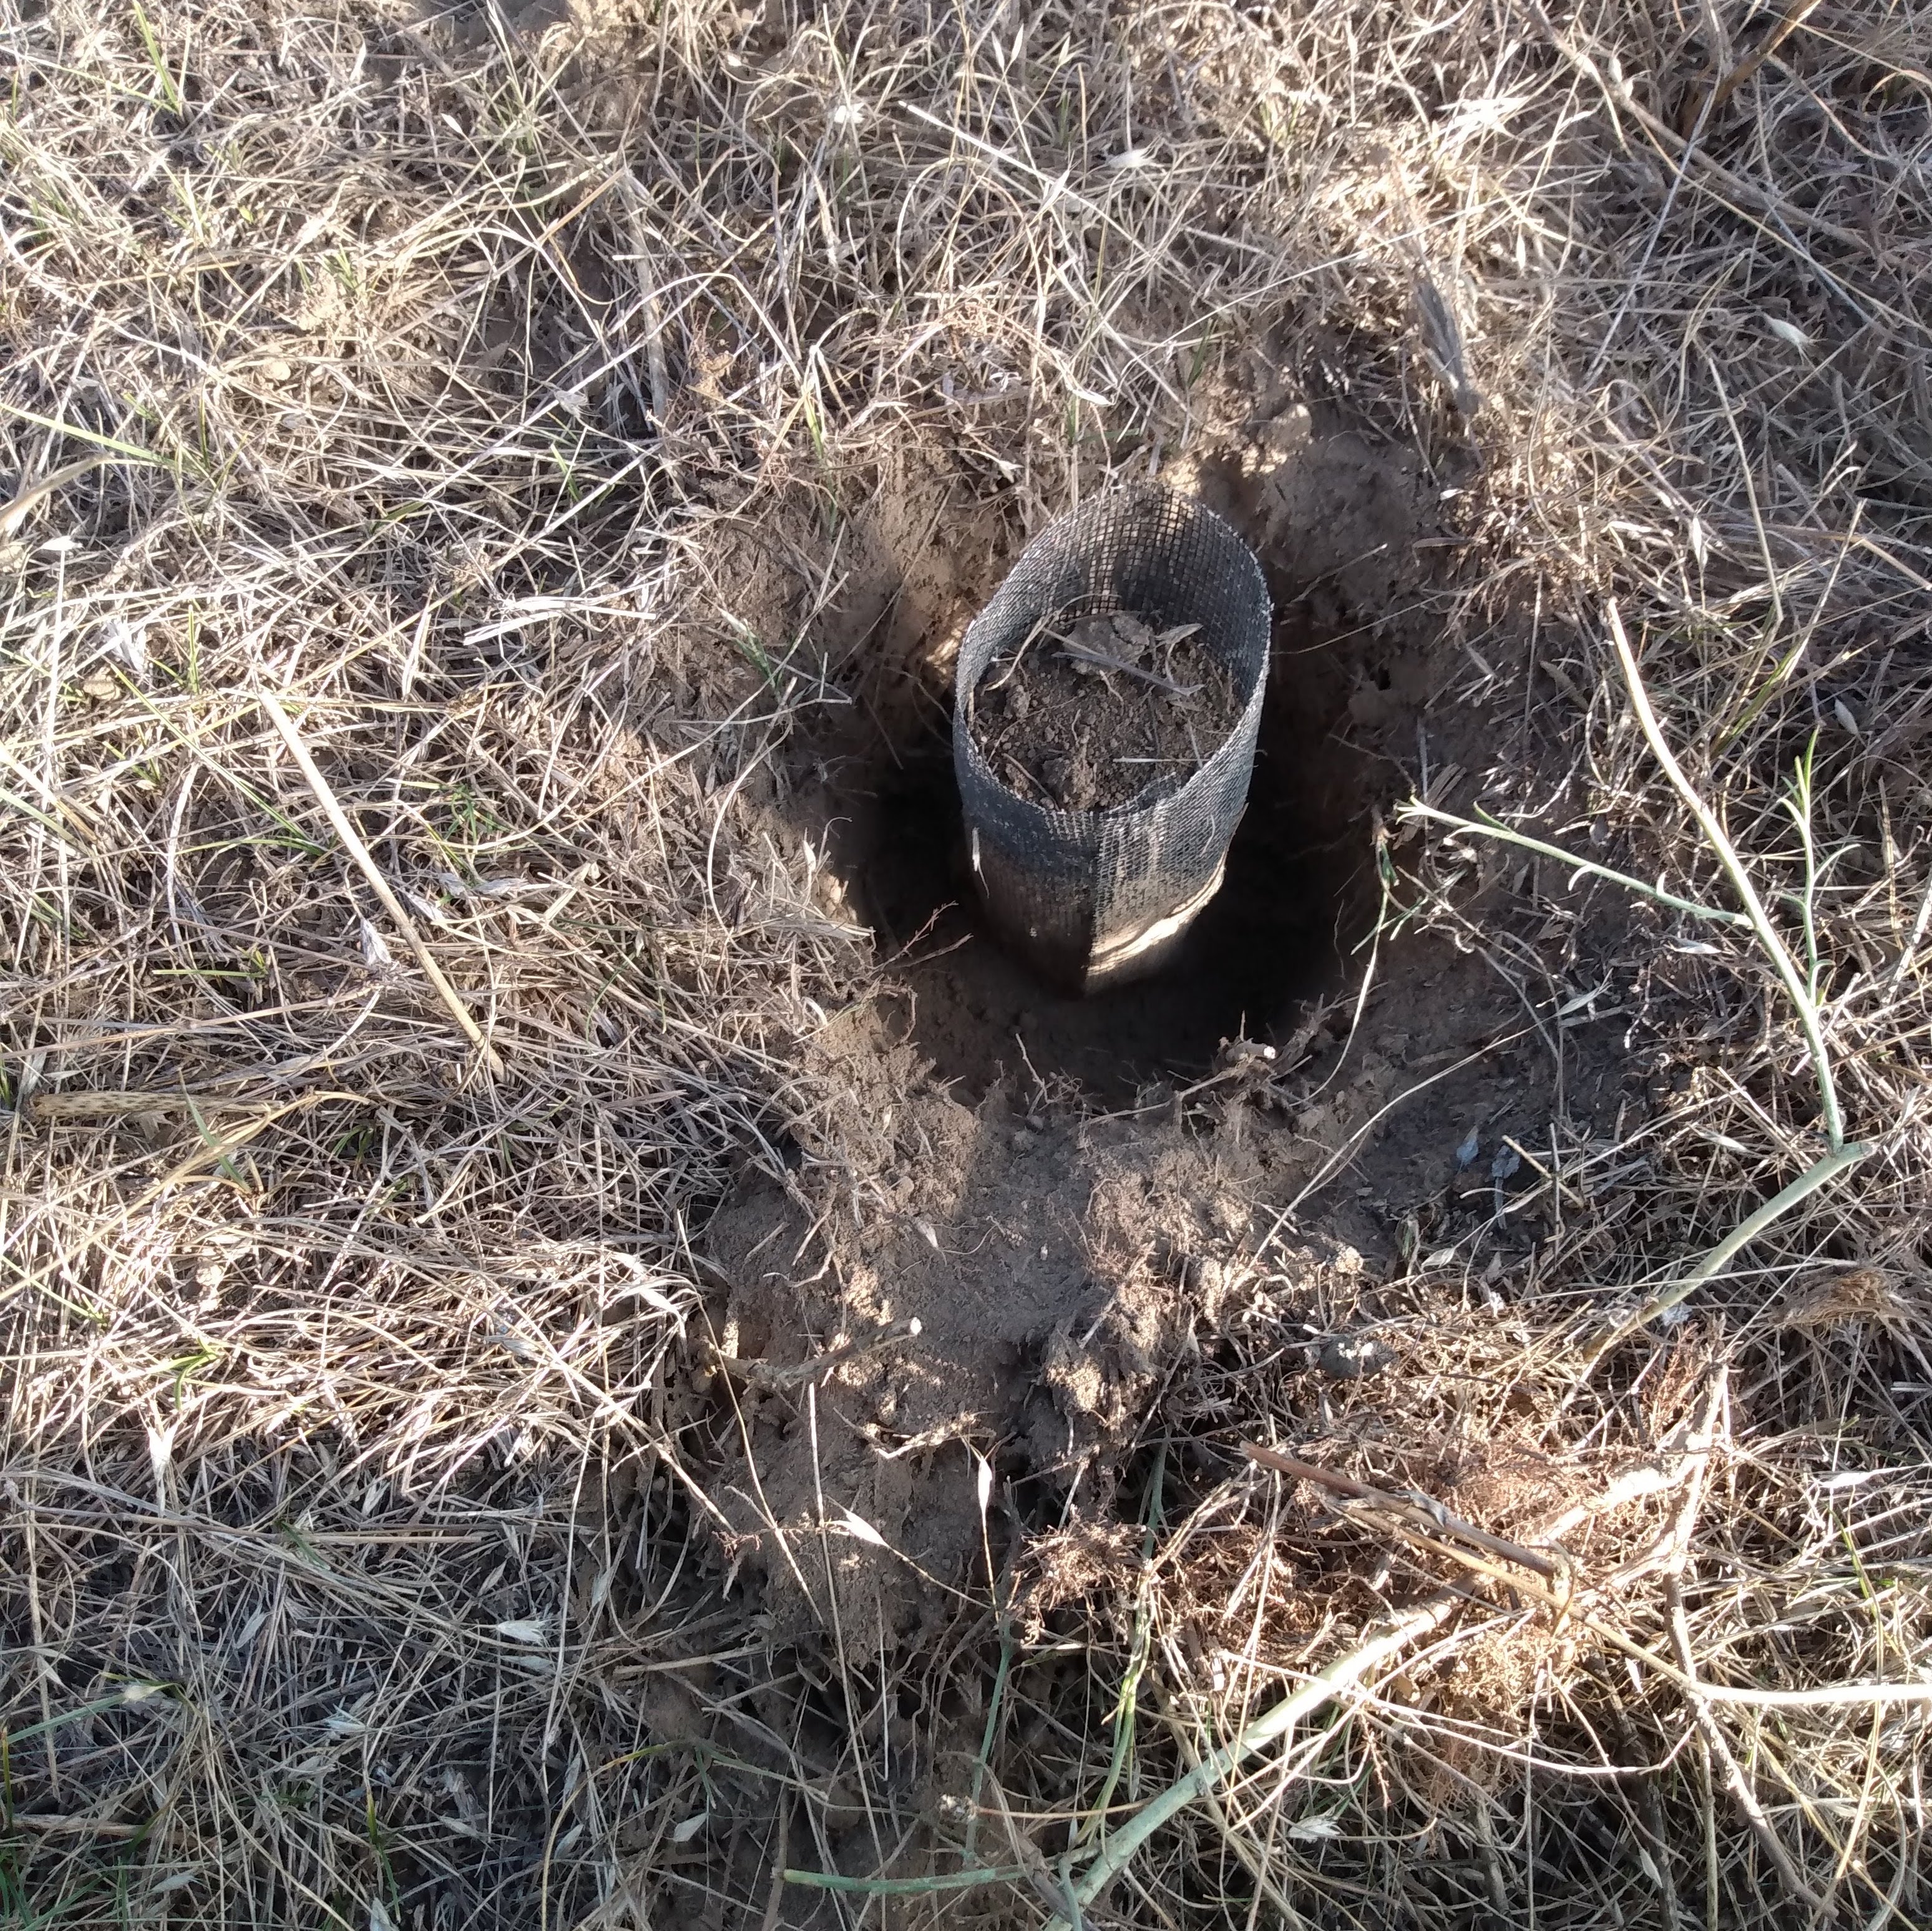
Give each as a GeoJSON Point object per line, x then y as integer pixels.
{"type": "Point", "coordinates": [991, 1730]}
{"type": "Point", "coordinates": [1127, 1710]}
{"type": "Point", "coordinates": [1489, 828]}
{"type": "Point", "coordinates": [1774, 947]}
{"type": "Point", "coordinates": [124, 1699]}
{"type": "Point", "coordinates": [1734, 1243]}
{"type": "Point", "coordinates": [1340, 1675]}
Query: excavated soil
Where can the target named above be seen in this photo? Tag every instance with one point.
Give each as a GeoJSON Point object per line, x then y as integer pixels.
{"type": "Point", "coordinates": [944, 1331]}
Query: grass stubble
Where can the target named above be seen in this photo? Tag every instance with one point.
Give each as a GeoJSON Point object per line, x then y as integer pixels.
{"type": "Point", "coordinates": [410, 425]}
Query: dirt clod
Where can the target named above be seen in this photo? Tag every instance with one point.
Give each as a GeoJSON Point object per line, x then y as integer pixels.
{"type": "Point", "coordinates": [1055, 1271]}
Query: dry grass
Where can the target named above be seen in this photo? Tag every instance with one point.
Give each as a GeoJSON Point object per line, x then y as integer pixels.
{"type": "Point", "coordinates": [500, 401]}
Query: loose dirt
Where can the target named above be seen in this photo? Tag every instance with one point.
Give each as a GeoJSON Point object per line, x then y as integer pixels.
{"type": "Point", "coordinates": [1090, 713]}
{"type": "Point", "coordinates": [1070, 1198]}
{"type": "Point", "coordinates": [1056, 1267]}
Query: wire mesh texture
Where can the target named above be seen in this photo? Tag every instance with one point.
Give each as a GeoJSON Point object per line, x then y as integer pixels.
{"type": "Point", "coordinates": [1096, 898]}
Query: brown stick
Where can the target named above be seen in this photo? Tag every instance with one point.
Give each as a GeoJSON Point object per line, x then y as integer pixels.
{"type": "Point", "coordinates": [1794, 17]}
{"type": "Point", "coordinates": [1431, 1520]}
{"type": "Point", "coordinates": [1423, 1528]}
{"type": "Point", "coordinates": [77, 1827]}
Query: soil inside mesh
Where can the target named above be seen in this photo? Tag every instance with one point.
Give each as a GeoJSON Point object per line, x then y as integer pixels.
{"type": "Point", "coordinates": [1089, 713]}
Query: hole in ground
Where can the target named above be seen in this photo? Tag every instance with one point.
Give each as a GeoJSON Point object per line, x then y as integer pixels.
{"type": "Point", "coordinates": [1338, 522]}
{"type": "Point", "coordinates": [1299, 894]}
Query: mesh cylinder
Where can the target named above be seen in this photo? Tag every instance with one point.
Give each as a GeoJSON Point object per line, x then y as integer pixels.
{"type": "Point", "coordinates": [1096, 898]}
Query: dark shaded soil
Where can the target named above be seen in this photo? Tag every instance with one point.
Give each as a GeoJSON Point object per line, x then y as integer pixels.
{"type": "Point", "coordinates": [1357, 661]}
{"type": "Point", "coordinates": [1088, 716]}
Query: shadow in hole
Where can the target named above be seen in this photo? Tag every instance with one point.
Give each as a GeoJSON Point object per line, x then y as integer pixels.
{"type": "Point", "coordinates": [1336, 519]}
{"type": "Point", "coordinates": [1299, 894]}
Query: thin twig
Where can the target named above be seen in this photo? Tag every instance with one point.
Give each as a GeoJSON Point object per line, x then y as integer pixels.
{"type": "Point", "coordinates": [1735, 1781]}
{"type": "Point", "coordinates": [1795, 14]}
{"type": "Point", "coordinates": [353, 844]}
{"type": "Point", "coordinates": [906, 1886]}
{"type": "Point", "coordinates": [1082, 653]}
{"type": "Point", "coordinates": [1424, 1512]}
{"type": "Point", "coordinates": [1824, 1696]}
{"type": "Point", "coordinates": [13, 513]}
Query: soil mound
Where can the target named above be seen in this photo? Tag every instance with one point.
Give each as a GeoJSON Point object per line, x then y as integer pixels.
{"type": "Point", "coordinates": [1001, 1293]}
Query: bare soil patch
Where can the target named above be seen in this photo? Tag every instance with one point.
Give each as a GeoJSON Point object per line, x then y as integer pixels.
{"type": "Point", "coordinates": [1042, 1206]}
